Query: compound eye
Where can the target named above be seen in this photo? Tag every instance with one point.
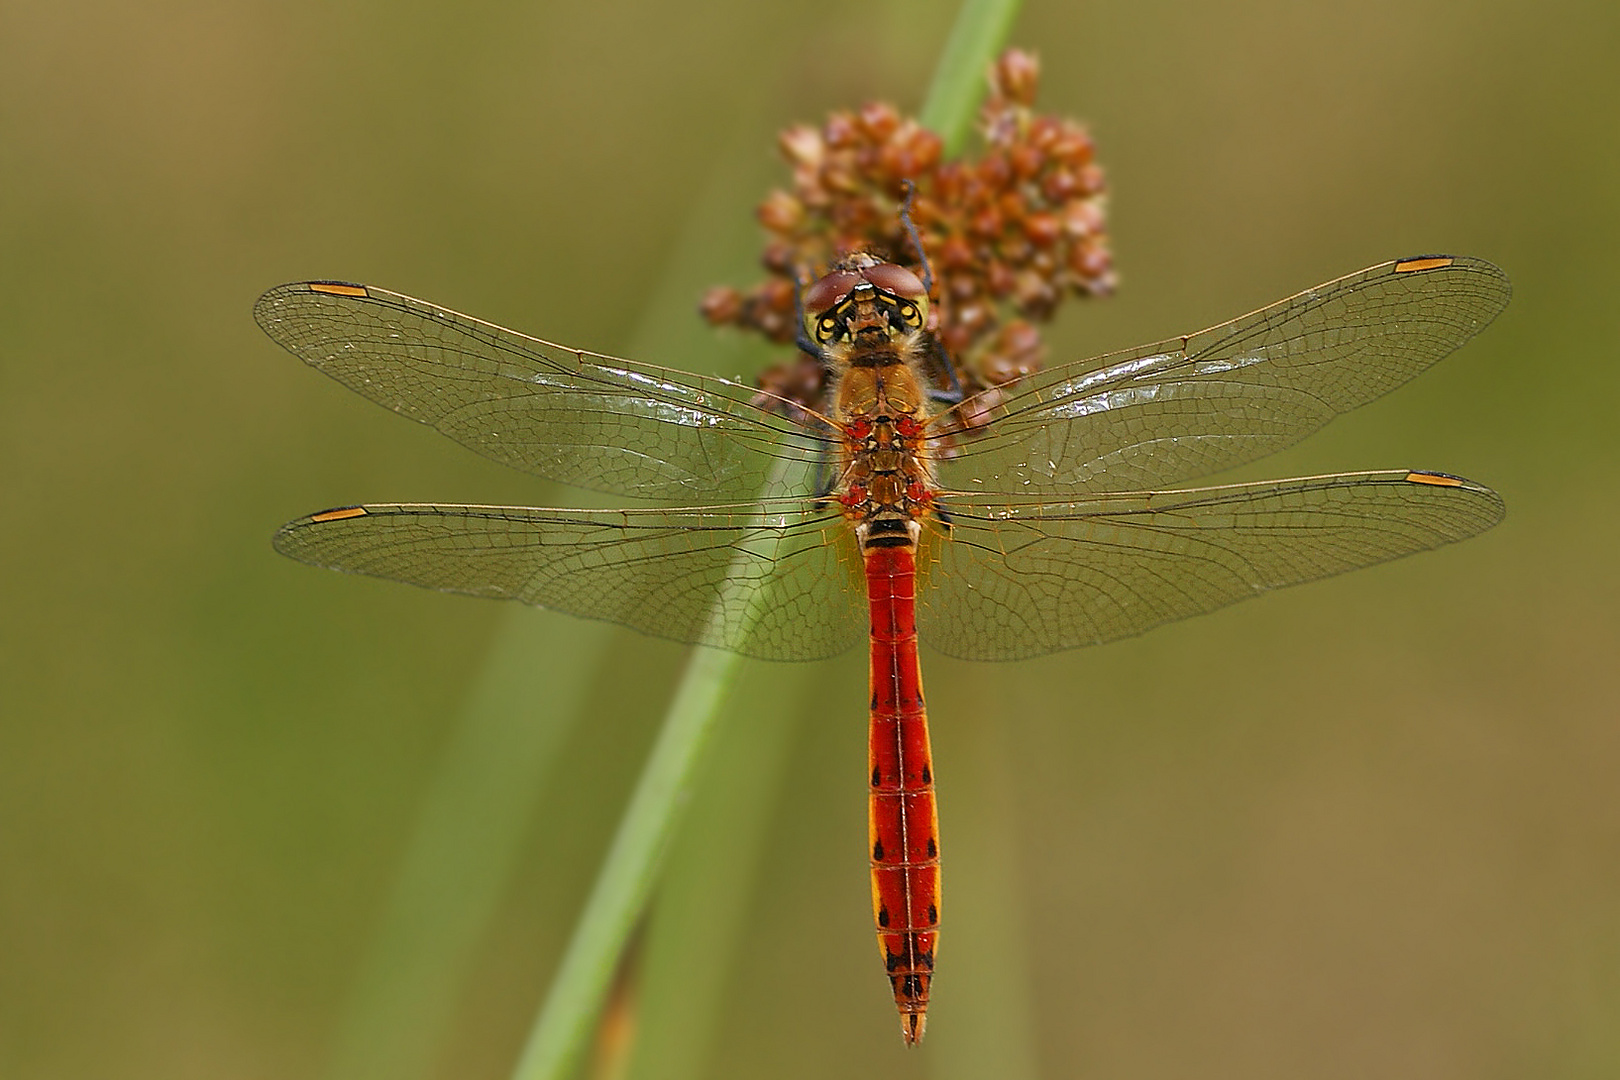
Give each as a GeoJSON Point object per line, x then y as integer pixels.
{"type": "Point", "coordinates": [828, 292]}
{"type": "Point", "coordinates": [895, 280]}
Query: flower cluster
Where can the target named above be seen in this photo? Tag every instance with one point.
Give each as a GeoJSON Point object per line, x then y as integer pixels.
{"type": "Point", "coordinates": [1007, 236]}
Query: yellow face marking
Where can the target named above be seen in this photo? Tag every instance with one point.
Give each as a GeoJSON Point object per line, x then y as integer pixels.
{"type": "Point", "coordinates": [336, 290]}
{"type": "Point", "coordinates": [1434, 479]}
{"type": "Point", "coordinates": [1408, 266]}
{"type": "Point", "coordinates": [340, 515]}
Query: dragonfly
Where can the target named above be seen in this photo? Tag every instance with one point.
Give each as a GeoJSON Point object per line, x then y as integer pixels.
{"type": "Point", "coordinates": [1014, 523]}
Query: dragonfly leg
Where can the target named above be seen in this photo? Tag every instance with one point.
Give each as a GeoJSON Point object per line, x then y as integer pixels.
{"type": "Point", "coordinates": [916, 239]}
{"type": "Point", "coordinates": [801, 338]}
{"type": "Point", "coordinates": [945, 370]}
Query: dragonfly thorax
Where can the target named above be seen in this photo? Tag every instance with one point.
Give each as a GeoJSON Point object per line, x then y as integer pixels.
{"type": "Point", "coordinates": [869, 319]}
{"type": "Point", "coordinates": [886, 481]}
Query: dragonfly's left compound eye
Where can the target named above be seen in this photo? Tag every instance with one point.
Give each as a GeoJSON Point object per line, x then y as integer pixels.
{"type": "Point", "coordinates": [828, 292]}
{"type": "Point", "coordinates": [820, 301]}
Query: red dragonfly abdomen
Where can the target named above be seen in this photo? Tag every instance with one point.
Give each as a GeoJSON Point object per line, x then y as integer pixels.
{"type": "Point", "coordinates": [904, 825]}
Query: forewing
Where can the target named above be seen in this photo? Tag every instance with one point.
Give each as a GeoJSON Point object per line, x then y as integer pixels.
{"type": "Point", "coordinates": [1019, 579]}
{"type": "Point", "coordinates": [779, 584]}
{"type": "Point", "coordinates": [1163, 413]}
{"type": "Point", "coordinates": [580, 418]}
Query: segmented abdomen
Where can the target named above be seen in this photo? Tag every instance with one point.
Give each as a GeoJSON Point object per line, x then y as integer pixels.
{"type": "Point", "coordinates": [904, 824]}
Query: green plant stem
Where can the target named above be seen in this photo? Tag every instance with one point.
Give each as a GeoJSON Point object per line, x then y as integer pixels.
{"type": "Point", "coordinates": [575, 999]}
{"type": "Point", "coordinates": [980, 32]}
{"type": "Point", "coordinates": [627, 877]}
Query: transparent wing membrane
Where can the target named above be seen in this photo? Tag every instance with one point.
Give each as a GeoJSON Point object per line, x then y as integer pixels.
{"type": "Point", "coordinates": [1020, 578]}
{"type": "Point", "coordinates": [576, 417]}
{"type": "Point", "coordinates": [1042, 545]}
{"type": "Point", "coordinates": [779, 584]}
{"type": "Point", "coordinates": [1165, 413]}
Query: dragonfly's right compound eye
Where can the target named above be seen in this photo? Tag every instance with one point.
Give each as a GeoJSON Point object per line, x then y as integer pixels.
{"type": "Point", "coordinates": [896, 280]}
{"type": "Point", "coordinates": [909, 295]}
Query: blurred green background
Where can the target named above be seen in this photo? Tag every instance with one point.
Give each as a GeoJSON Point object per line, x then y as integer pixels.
{"type": "Point", "coordinates": [1368, 827]}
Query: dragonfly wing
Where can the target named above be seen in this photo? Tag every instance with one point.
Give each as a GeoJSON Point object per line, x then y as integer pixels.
{"type": "Point", "coordinates": [1019, 579]}
{"type": "Point", "coordinates": [1163, 413]}
{"type": "Point", "coordinates": [580, 418]}
{"type": "Point", "coordinates": [774, 584]}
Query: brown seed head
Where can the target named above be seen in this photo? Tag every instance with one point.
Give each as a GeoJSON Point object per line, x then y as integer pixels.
{"type": "Point", "coordinates": [1009, 235]}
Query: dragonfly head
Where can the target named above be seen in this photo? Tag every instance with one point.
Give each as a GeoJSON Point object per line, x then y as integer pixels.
{"type": "Point", "coordinates": [864, 298]}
